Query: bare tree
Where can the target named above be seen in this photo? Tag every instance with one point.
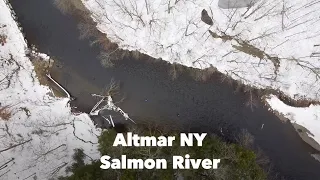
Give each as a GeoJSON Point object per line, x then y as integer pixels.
{"type": "Point", "coordinates": [106, 102]}
{"type": "Point", "coordinates": [86, 30]}
{"type": "Point", "coordinates": [106, 59]}
{"type": "Point", "coordinates": [245, 139]}
{"type": "Point", "coordinates": [252, 102]}
{"type": "Point", "coordinates": [69, 6]}
{"type": "Point", "coordinates": [175, 70]}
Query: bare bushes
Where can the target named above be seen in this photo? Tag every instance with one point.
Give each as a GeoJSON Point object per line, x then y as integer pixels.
{"type": "Point", "coordinates": [106, 59]}
{"type": "Point", "coordinates": [252, 101]}
{"type": "Point", "coordinates": [3, 39]}
{"type": "Point", "coordinates": [135, 54]}
{"type": "Point", "coordinates": [113, 88]}
{"type": "Point", "coordinates": [86, 30]}
{"type": "Point", "coordinates": [65, 6]}
{"type": "Point", "coordinates": [175, 70]}
{"type": "Point", "coordinates": [262, 159]}
{"type": "Point", "coordinates": [204, 74]}
{"type": "Point", "coordinates": [69, 6]}
{"type": "Point", "coordinates": [245, 139]}
{"type": "Point", "coordinates": [5, 113]}
{"type": "Point", "coordinates": [41, 65]}
{"type": "Point", "coordinates": [41, 69]}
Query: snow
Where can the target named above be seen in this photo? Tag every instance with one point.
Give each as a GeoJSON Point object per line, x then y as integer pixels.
{"type": "Point", "coordinates": [308, 117]}
{"type": "Point", "coordinates": [282, 38]}
{"type": "Point", "coordinates": [42, 133]}
{"type": "Point", "coordinates": [173, 30]}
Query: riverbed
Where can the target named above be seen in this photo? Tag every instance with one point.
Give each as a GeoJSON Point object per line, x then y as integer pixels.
{"type": "Point", "coordinates": [151, 95]}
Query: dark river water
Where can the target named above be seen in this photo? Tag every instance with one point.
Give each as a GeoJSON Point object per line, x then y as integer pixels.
{"type": "Point", "coordinates": [152, 96]}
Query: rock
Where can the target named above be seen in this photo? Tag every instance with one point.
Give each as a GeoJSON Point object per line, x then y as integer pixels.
{"type": "Point", "coordinates": [234, 4]}
{"type": "Point", "coordinates": [206, 18]}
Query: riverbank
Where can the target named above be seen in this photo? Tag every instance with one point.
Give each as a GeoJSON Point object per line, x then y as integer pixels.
{"type": "Point", "coordinates": [87, 27]}
{"type": "Point", "coordinates": [37, 130]}
{"type": "Point", "coordinates": [111, 51]}
{"type": "Point", "coordinates": [247, 46]}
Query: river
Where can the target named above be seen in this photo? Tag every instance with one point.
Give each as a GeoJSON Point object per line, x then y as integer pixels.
{"type": "Point", "coordinates": [151, 95]}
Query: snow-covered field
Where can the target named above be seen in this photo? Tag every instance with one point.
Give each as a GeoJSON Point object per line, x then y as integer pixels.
{"type": "Point", "coordinates": [38, 140]}
{"type": "Point", "coordinates": [272, 44]}
{"type": "Point", "coordinates": [283, 33]}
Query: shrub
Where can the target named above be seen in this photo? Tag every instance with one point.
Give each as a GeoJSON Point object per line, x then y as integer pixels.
{"type": "Point", "coordinates": [3, 39]}
{"type": "Point", "coordinates": [69, 6]}
{"type": "Point", "coordinates": [5, 113]}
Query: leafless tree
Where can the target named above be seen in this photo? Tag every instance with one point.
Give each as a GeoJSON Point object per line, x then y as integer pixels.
{"type": "Point", "coordinates": [252, 102]}
{"type": "Point", "coordinates": [64, 6]}
{"type": "Point", "coordinates": [106, 102]}
{"type": "Point", "coordinates": [69, 6]}
{"type": "Point", "coordinates": [130, 8]}
{"type": "Point", "coordinates": [245, 139]}
{"type": "Point", "coordinates": [175, 70]}
{"type": "Point", "coordinates": [86, 30]}
{"type": "Point", "coordinates": [106, 59]}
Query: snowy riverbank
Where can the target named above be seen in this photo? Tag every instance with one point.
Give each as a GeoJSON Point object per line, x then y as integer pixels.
{"type": "Point", "coordinates": [272, 44]}
{"type": "Point", "coordinates": [269, 45]}
{"type": "Point", "coordinates": [38, 136]}
{"type": "Point", "coordinates": [307, 117]}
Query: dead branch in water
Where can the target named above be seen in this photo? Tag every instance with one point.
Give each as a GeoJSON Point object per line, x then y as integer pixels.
{"type": "Point", "coordinates": [106, 98]}
{"type": "Point", "coordinates": [55, 82]}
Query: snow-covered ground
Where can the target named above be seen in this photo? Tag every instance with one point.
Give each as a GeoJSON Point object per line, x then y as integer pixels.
{"type": "Point", "coordinates": [39, 138]}
{"type": "Point", "coordinates": [308, 117]}
{"type": "Point", "coordinates": [272, 44]}
{"type": "Point", "coordinates": [283, 33]}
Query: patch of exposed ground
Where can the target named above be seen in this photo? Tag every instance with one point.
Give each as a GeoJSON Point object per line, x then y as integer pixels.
{"type": "Point", "coordinates": [5, 113]}
{"type": "Point", "coordinates": [3, 39]}
{"type": "Point", "coordinates": [249, 49]}
{"type": "Point", "coordinates": [42, 68]}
